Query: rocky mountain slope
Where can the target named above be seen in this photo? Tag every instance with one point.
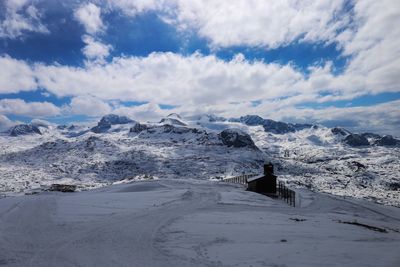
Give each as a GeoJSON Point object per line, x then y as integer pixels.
{"type": "Point", "coordinates": [202, 147]}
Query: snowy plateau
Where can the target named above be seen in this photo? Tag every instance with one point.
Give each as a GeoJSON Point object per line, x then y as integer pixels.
{"type": "Point", "coordinates": [157, 197]}
{"type": "Point", "coordinates": [201, 147]}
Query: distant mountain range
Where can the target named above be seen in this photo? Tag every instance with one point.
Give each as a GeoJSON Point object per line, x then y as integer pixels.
{"type": "Point", "coordinates": [271, 126]}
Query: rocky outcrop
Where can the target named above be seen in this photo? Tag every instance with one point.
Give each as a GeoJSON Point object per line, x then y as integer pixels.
{"type": "Point", "coordinates": [172, 121]}
{"type": "Point", "coordinates": [107, 121]}
{"type": "Point", "coordinates": [356, 140]}
{"type": "Point", "coordinates": [236, 138]}
{"type": "Point", "coordinates": [340, 131]}
{"type": "Point", "coordinates": [271, 126]}
{"type": "Point", "coordinates": [24, 129]}
{"type": "Point", "coordinates": [138, 127]}
{"type": "Point", "coordinates": [65, 188]}
{"type": "Point", "coordinates": [115, 119]}
{"type": "Point", "coordinates": [387, 140]}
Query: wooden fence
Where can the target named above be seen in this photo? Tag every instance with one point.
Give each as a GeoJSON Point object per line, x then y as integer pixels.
{"type": "Point", "coordinates": [287, 194]}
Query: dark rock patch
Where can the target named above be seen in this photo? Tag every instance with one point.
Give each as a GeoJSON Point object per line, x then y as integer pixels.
{"type": "Point", "coordinates": [24, 129]}
{"type": "Point", "coordinates": [236, 138]}
{"type": "Point", "coordinates": [65, 188]}
{"type": "Point", "coordinates": [356, 140]}
{"type": "Point", "coordinates": [387, 140]}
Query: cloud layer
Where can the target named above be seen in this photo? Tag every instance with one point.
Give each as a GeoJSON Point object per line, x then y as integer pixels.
{"type": "Point", "coordinates": [363, 32]}
{"type": "Point", "coordinates": [20, 16]}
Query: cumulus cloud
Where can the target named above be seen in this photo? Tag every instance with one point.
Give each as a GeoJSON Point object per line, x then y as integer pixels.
{"type": "Point", "coordinates": [5, 123]}
{"type": "Point", "coordinates": [260, 23]}
{"type": "Point", "coordinates": [95, 50]}
{"type": "Point", "coordinates": [28, 109]}
{"type": "Point", "coordinates": [173, 79]}
{"type": "Point", "coordinates": [133, 8]}
{"type": "Point", "coordinates": [16, 75]}
{"type": "Point", "coordinates": [87, 105]}
{"type": "Point", "coordinates": [21, 16]}
{"type": "Point", "coordinates": [40, 122]}
{"type": "Point", "coordinates": [205, 83]}
{"type": "Point", "coordinates": [382, 118]}
{"type": "Point", "coordinates": [257, 23]}
{"type": "Point", "coordinates": [89, 16]}
{"type": "Point", "coordinates": [146, 112]}
{"type": "Point", "coordinates": [374, 44]}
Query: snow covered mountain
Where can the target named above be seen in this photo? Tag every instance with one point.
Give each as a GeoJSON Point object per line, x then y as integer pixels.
{"type": "Point", "coordinates": [201, 147]}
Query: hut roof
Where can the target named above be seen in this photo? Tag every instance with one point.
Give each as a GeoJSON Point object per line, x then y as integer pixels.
{"type": "Point", "coordinates": [251, 179]}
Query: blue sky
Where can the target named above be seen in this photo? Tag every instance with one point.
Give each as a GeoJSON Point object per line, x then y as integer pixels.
{"type": "Point", "coordinates": [328, 62]}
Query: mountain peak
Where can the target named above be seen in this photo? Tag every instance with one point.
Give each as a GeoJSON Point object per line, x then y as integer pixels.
{"type": "Point", "coordinates": [24, 129]}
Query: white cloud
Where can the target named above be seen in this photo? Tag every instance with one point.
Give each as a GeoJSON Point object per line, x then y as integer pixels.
{"type": "Point", "coordinates": [40, 122]}
{"type": "Point", "coordinates": [374, 45]}
{"type": "Point", "coordinates": [89, 16]}
{"type": "Point", "coordinates": [29, 109]}
{"type": "Point", "coordinates": [95, 50]}
{"type": "Point", "coordinates": [15, 76]}
{"type": "Point", "coordinates": [20, 16]}
{"type": "Point", "coordinates": [5, 123]}
{"type": "Point", "coordinates": [200, 83]}
{"type": "Point", "coordinates": [260, 22]}
{"type": "Point", "coordinates": [173, 79]}
{"type": "Point", "coordinates": [145, 112]}
{"type": "Point", "coordinates": [87, 105]}
{"type": "Point", "coordinates": [382, 118]}
{"type": "Point", "coordinates": [134, 7]}
{"type": "Point", "coordinates": [256, 23]}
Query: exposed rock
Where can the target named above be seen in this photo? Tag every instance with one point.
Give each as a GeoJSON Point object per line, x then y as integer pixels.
{"type": "Point", "coordinates": [180, 130]}
{"type": "Point", "coordinates": [137, 128]}
{"type": "Point", "coordinates": [340, 131]}
{"type": "Point", "coordinates": [356, 166]}
{"type": "Point", "coordinates": [272, 126]}
{"type": "Point", "coordinates": [356, 140]}
{"type": "Point", "coordinates": [113, 119]}
{"type": "Point", "coordinates": [387, 140]}
{"type": "Point", "coordinates": [107, 121]}
{"type": "Point", "coordinates": [252, 120]}
{"type": "Point", "coordinates": [24, 129]}
{"type": "Point", "coordinates": [278, 127]}
{"type": "Point", "coordinates": [174, 116]}
{"type": "Point", "coordinates": [172, 121]}
{"type": "Point", "coordinates": [206, 118]}
{"type": "Point", "coordinates": [101, 128]}
{"type": "Point", "coordinates": [236, 138]}
{"type": "Point", "coordinates": [66, 188]}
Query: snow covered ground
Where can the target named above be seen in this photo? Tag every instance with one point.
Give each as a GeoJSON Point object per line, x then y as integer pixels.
{"type": "Point", "coordinates": [189, 222]}
{"type": "Point", "coordinates": [306, 156]}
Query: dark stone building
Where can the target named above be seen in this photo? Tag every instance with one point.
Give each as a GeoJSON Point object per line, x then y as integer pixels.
{"type": "Point", "coordinates": [263, 184]}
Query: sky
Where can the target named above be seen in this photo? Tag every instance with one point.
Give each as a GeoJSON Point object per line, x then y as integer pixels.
{"type": "Point", "coordinates": [335, 63]}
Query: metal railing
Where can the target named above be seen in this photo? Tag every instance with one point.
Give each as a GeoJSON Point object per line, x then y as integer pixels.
{"type": "Point", "coordinates": [282, 191]}
{"type": "Point", "coordinates": [241, 179]}
{"type": "Point", "coordinates": [286, 194]}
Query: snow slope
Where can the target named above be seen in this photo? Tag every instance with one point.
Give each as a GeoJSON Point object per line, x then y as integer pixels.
{"type": "Point", "coordinates": [194, 223]}
{"type": "Point", "coordinates": [318, 159]}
